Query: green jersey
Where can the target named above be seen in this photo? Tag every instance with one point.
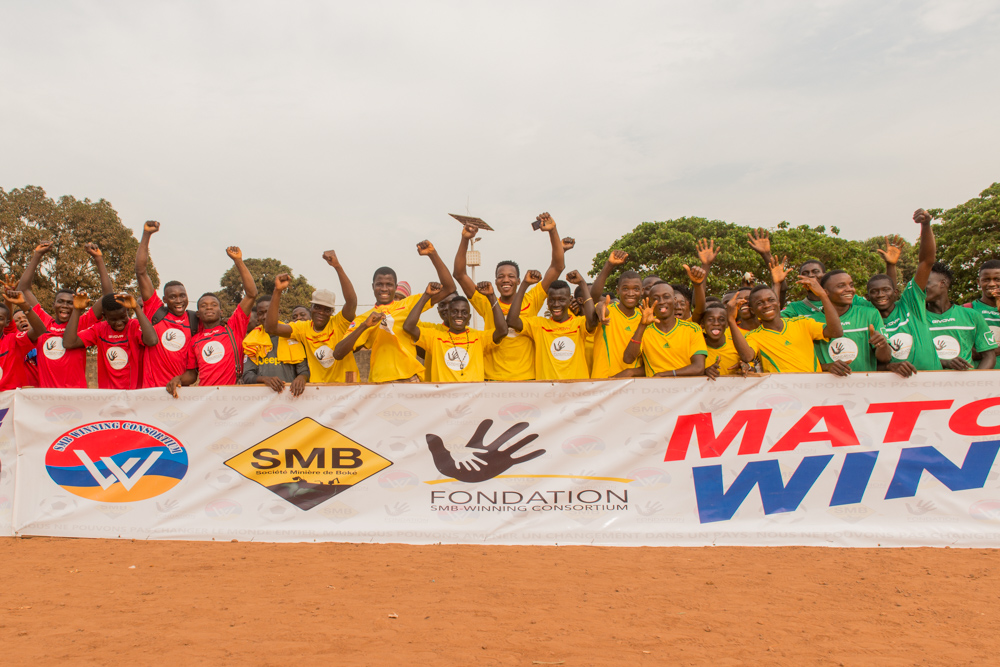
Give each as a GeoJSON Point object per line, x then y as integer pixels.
{"type": "Point", "coordinates": [807, 308]}
{"type": "Point", "coordinates": [909, 337]}
{"type": "Point", "coordinates": [958, 331]}
{"type": "Point", "coordinates": [853, 347]}
{"type": "Point", "coordinates": [989, 314]}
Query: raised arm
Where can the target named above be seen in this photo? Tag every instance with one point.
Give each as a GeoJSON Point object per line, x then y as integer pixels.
{"type": "Point", "coordinates": [928, 248]}
{"type": "Point", "coordinates": [107, 287]}
{"type": "Point", "coordinates": [426, 248]}
{"type": "Point", "coordinates": [893, 249]}
{"type": "Point", "coordinates": [558, 264]}
{"type": "Point", "coordinates": [71, 338]}
{"type": "Point", "coordinates": [615, 259]}
{"type": "Point", "coordinates": [347, 343]}
{"type": "Point", "coordinates": [697, 276]}
{"type": "Point", "coordinates": [779, 271]}
{"type": "Point", "coordinates": [499, 321]}
{"type": "Point", "coordinates": [28, 277]}
{"type": "Point", "coordinates": [149, 338]}
{"type": "Point", "coordinates": [272, 325]}
{"type": "Point", "coordinates": [760, 242]}
{"type": "Point", "coordinates": [634, 347]}
{"type": "Point", "coordinates": [833, 328]}
{"type": "Point", "coordinates": [589, 313]}
{"type": "Point", "coordinates": [410, 325]}
{"type": "Point", "coordinates": [747, 355]}
{"type": "Point", "coordinates": [15, 298]}
{"type": "Point", "coordinates": [145, 283]}
{"type": "Point", "coordinates": [350, 309]}
{"type": "Point", "coordinates": [249, 286]}
{"type": "Point", "coordinates": [514, 314]}
{"type": "Point", "coordinates": [460, 272]}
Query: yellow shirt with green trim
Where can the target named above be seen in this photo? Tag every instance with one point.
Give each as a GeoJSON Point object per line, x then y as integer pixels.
{"type": "Point", "coordinates": [560, 347]}
{"type": "Point", "coordinates": [513, 359]}
{"type": "Point", "coordinates": [319, 349]}
{"type": "Point", "coordinates": [727, 356]}
{"type": "Point", "coordinates": [611, 340]}
{"type": "Point", "coordinates": [394, 356]}
{"type": "Point", "coordinates": [454, 357]}
{"type": "Point", "coordinates": [790, 350]}
{"type": "Point", "coordinates": [669, 350]}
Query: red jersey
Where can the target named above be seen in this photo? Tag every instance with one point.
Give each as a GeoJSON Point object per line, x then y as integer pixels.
{"type": "Point", "coordinates": [216, 351]}
{"type": "Point", "coordinates": [168, 359]}
{"type": "Point", "coordinates": [117, 354]}
{"type": "Point", "coordinates": [59, 368]}
{"type": "Point", "coordinates": [13, 347]}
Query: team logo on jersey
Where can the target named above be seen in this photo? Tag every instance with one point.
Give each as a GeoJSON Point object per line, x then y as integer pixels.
{"type": "Point", "coordinates": [562, 348]}
{"type": "Point", "coordinates": [387, 323]}
{"type": "Point", "coordinates": [456, 359]}
{"type": "Point", "coordinates": [117, 357]}
{"type": "Point", "coordinates": [173, 339]}
{"type": "Point", "coordinates": [900, 344]}
{"type": "Point", "coordinates": [213, 352]}
{"type": "Point", "coordinates": [843, 349]}
{"type": "Point", "coordinates": [991, 335]}
{"type": "Point", "coordinates": [324, 355]}
{"type": "Point", "coordinates": [53, 348]}
{"type": "Point", "coordinates": [947, 347]}
{"type": "Point", "coordinates": [116, 461]}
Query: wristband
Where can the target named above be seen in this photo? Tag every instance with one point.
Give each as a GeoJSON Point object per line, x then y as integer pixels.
{"type": "Point", "coordinates": [675, 373]}
{"type": "Point", "coordinates": [588, 299]}
{"type": "Point", "coordinates": [637, 342]}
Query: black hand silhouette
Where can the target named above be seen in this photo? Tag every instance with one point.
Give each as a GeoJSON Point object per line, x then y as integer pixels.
{"type": "Point", "coordinates": [483, 461]}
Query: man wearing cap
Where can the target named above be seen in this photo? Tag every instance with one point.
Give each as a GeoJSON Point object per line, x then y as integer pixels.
{"type": "Point", "coordinates": [320, 334]}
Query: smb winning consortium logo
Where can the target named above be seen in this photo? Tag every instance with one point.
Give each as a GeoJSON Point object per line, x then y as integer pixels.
{"type": "Point", "coordinates": [116, 461]}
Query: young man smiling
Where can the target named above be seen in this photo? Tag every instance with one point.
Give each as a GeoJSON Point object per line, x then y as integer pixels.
{"type": "Point", "coordinates": [271, 359]}
{"type": "Point", "coordinates": [119, 340]}
{"type": "Point", "coordinates": [215, 355]}
{"type": "Point", "coordinates": [989, 287]}
{"type": "Point", "coordinates": [958, 332]}
{"type": "Point", "coordinates": [456, 354]}
{"type": "Point", "coordinates": [57, 366]}
{"type": "Point", "coordinates": [14, 345]}
{"type": "Point", "coordinates": [622, 321]}
{"type": "Point", "coordinates": [512, 359]}
{"type": "Point", "coordinates": [560, 340]}
{"type": "Point", "coordinates": [394, 356]}
{"type": "Point", "coordinates": [325, 327]}
{"type": "Point", "coordinates": [670, 346]}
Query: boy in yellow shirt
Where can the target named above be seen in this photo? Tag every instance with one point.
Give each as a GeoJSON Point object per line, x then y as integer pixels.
{"type": "Point", "coordinates": [723, 358]}
{"type": "Point", "coordinates": [513, 359]}
{"type": "Point", "coordinates": [560, 340]}
{"type": "Point", "coordinates": [394, 357]}
{"type": "Point", "coordinates": [669, 345]}
{"type": "Point", "coordinates": [454, 353]}
{"type": "Point", "coordinates": [321, 333]}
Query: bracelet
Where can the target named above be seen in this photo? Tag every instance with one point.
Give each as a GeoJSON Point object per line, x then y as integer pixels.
{"type": "Point", "coordinates": [588, 299]}
{"type": "Point", "coordinates": [637, 342]}
{"type": "Point", "coordinates": [675, 373]}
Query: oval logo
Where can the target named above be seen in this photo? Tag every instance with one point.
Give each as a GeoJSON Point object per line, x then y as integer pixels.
{"type": "Point", "coordinates": [562, 348]}
{"type": "Point", "coordinates": [116, 461]}
{"type": "Point", "coordinates": [324, 355]}
{"type": "Point", "coordinates": [901, 344]}
{"type": "Point", "coordinates": [213, 352]}
{"type": "Point", "coordinates": [456, 359]}
{"type": "Point", "coordinates": [173, 339]}
{"type": "Point", "coordinates": [117, 357]}
{"type": "Point", "coordinates": [53, 348]}
{"type": "Point", "coordinates": [947, 347]}
{"type": "Point", "coordinates": [843, 349]}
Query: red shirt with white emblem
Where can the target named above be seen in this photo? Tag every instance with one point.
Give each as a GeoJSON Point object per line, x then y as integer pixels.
{"type": "Point", "coordinates": [117, 354]}
{"type": "Point", "coordinates": [59, 368]}
{"type": "Point", "coordinates": [168, 359]}
{"type": "Point", "coordinates": [13, 347]}
{"type": "Point", "coordinates": [213, 353]}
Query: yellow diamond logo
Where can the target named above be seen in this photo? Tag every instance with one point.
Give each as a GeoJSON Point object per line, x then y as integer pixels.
{"type": "Point", "coordinates": [308, 463]}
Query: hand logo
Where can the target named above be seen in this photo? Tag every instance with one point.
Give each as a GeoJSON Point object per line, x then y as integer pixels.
{"type": "Point", "coordinates": [478, 462]}
{"type": "Point", "coordinates": [836, 348]}
{"type": "Point", "coordinates": [558, 345]}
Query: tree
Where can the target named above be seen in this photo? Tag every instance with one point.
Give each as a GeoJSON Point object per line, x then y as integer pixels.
{"type": "Point", "coordinates": [299, 293]}
{"type": "Point", "coordinates": [968, 236]}
{"type": "Point", "coordinates": [663, 248]}
{"type": "Point", "coordinates": [28, 216]}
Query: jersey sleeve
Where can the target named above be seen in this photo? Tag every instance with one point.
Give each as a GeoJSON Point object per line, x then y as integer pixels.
{"type": "Point", "coordinates": [22, 343]}
{"type": "Point", "coordinates": [753, 342]}
{"type": "Point", "coordinates": [90, 335]}
{"type": "Point", "coordinates": [88, 319]}
{"type": "Point", "coordinates": [43, 316]}
{"type": "Point", "coordinates": [365, 339]}
{"type": "Point", "coordinates": [299, 329]}
{"type": "Point", "coordinates": [151, 305]}
{"type": "Point", "coordinates": [530, 326]}
{"type": "Point", "coordinates": [814, 328]}
{"type": "Point", "coordinates": [481, 304]}
{"type": "Point", "coordinates": [697, 342]}
{"type": "Point", "coordinates": [237, 324]}
{"type": "Point", "coordinates": [535, 298]}
{"type": "Point", "coordinates": [915, 300]}
{"type": "Point", "coordinates": [985, 340]}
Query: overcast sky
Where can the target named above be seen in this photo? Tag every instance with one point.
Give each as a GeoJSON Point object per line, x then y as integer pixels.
{"type": "Point", "coordinates": [290, 128]}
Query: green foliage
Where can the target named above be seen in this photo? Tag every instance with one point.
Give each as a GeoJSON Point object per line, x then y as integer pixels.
{"type": "Point", "coordinates": [663, 248]}
{"type": "Point", "coordinates": [264, 271]}
{"type": "Point", "coordinates": [28, 216]}
{"type": "Point", "coordinates": [968, 236]}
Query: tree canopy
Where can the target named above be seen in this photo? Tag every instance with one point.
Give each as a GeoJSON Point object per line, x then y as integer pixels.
{"type": "Point", "coordinates": [299, 293]}
{"type": "Point", "coordinates": [968, 235]}
{"type": "Point", "coordinates": [28, 216]}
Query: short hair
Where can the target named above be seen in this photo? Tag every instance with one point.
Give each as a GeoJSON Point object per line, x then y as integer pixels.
{"type": "Point", "coordinates": [559, 284]}
{"type": "Point", "coordinates": [385, 271]}
{"type": "Point", "coordinates": [713, 305]}
{"type": "Point", "coordinates": [822, 266]}
{"type": "Point", "coordinates": [581, 290]}
{"type": "Point", "coordinates": [173, 283]}
{"type": "Point", "coordinates": [458, 299]}
{"type": "Point", "coordinates": [758, 288]}
{"type": "Point", "coordinates": [877, 277]}
{"type": "Point", "coordinates": [508, 262]}
{"type": "Point", "coordinates": [629, 275]}
{"type": "Point", "coordinates": [990, 264]}
{"type": "Point", "coordinates": [684, 291]}
{"type": "Point", "coordinates": [942, 269]}
{"type": "Point", "coordinates": [830, 274]}
{"type": "Point", "coordinates": [211, 294]}
{"type": "Point", "coordinates": [729, 295]}
{"type": "Point", "coordinates": [65, 291]}
{"type": "Point", "coordinates": [713, 299]}
{"type": "Point", "coordinates": [264, 299]}
{"type": "Point", "coordinates": [109, 304]}
{"type": "Point", "coordinates": [9, 314]}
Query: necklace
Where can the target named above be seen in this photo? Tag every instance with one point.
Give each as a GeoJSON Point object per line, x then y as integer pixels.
{"type": "Point", "coordinates": [461, 361]}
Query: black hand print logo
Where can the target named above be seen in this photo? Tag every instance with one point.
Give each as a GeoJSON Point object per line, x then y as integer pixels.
{"type": "Point", "coordinates": [836, 348]}
{"type": "Point", "coordinates": [112, 355]}
{"type": "Point", "coordinates": [454, 355]}
{"type": "Point", "coordinates": [940, 344]}
{"type": "Point", "coordinates": [320, 355]}
{"type": "Point", "coordinates": [478, 462]}
{"type": "Point", "coordinates": [559, 345]}
{"type": "Point", "coordinates": [209, 351]}
{"type": "Point", "coordinates": [170, 336]}
{"type": "Point", "coordinates": [51, 344]}
{"type": "Point", "coordinates": [896, 345]}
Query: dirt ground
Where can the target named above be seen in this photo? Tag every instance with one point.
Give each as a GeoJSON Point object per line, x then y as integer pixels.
{"type": "Point", "coordinates": [106, 602]}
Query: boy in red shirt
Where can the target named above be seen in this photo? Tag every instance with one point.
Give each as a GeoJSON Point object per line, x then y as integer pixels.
{"type": "Point", "coordinates": [119, 339]}
{"type": "Point", "coordinates": [215, 355]}
{"type": "Point", "coordinates": [15, 344]}
{"type": "Point", "coordinates": [57, 366]}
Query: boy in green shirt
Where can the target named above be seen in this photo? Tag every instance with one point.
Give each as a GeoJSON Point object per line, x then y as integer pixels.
{"type": "Point", "coordinates": [957, 331]}
{"type": "Point", "coordinates": [989, 286]}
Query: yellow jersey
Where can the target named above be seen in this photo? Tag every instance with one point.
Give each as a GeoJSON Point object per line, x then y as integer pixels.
{"type": "Point", "coordinates": [790, 350]}
{"type": "Point", "coordinates": [394, 356]}
{"type": "Point", "coordinates": [560, 347]}
{"type": "Point", "coordinates": [319, 349]}
{"type": "Point", "coordinates": [513, 359]}
{"type": "Point", "coordinates": [669, 350]}
{"type": "Point", "coordinates": [454, 357]}
{"type": "Point", "coordinates": [727, 356]}
{"type": "Point", "coordinates": [611, 340]}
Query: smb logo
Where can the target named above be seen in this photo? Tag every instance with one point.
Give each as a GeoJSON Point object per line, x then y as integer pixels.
{"type": "Point", "coordinates": [116, 461]}
{"type": "Point", "coordinates": [308, 463]}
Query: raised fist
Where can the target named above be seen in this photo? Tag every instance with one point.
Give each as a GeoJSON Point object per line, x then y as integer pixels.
{"type": "Point", "coordinates": [433, 288]}
{"type": "Point", "coordinates": [485, 288]}
{"type": "Point", "coordinates": [425, 248]}
{"type": "Point", "coordinates": [574, 277]}
{"type": "Point", "coordinates": [546, 223]}
{"type": "Point", "coordinates": [282, 281]}
{"type": "Point", "coordinates": [234, 252]}
{"type": "Point", "coordinates": [696, 274]}
{"type": "Point", "coordinates": [93, 249]}
{"type": "Point", "coordinates": [568, 243]}
{"type": "Point", "coordinates": [617, 257]}
{"type": "Point", "coordinates": [469, 231]}
{"type": "Point", "coordinates": [921, 217]}
{"type": "Point", "coordinates": [331, 258]}
{"type": "Point", "coordinates": [151, 227]}
{"type": "Point", "coordinates": [532, 277]}
{"type": "Point", "coordinates": [13, 296]}
{"type": "Point", "coordinates": [43, 247]}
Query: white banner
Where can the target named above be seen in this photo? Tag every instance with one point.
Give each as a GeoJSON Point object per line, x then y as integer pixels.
{"type": "Point", "coordinates": [785, 459]}
{"type": "Point", "coordinates": [8, 459]}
